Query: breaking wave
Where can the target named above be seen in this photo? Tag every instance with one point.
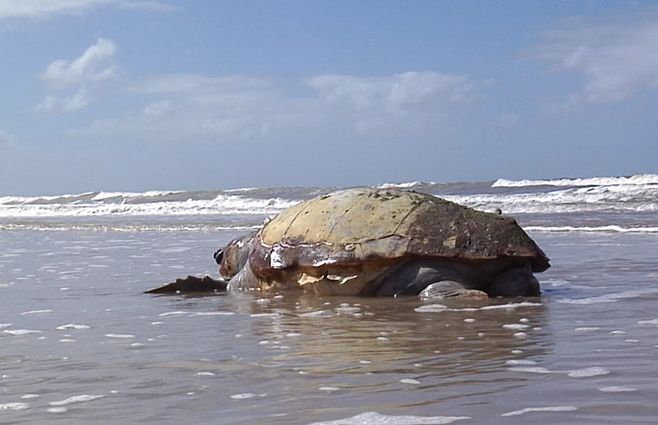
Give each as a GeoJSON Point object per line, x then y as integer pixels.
{"type": "Point", "coordinates": [593, 229]}
{"type": "Point", "coordinates": [126, 227]}
{"type": "Point", "coordinates": [632, 198]}
{"type": "Point", "coordinates": [137, 204]}
{"type": "Point", "coordinates": [635, 194]}
{"type": "Point", "coordinates": [407, 185]}
{"type": "Point", "coordinates": [641, 179]}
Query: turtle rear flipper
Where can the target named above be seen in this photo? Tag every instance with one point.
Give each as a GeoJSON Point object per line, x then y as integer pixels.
{"type": "Point", "coordinates": [191, 284]}
{"type": "Point", "coordinates": [451, 289]}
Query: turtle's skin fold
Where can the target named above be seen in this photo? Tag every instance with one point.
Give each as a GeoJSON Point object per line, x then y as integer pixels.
{"type": "Point", "coordinates": [367, 241]}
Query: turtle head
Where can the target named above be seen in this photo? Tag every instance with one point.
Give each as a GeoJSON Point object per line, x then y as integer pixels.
{"type": "Point", "coordinates": [233, 257]}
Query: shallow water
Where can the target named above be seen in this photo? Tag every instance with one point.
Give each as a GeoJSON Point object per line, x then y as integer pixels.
{"type": "Point", "coordinates": [80, 343]}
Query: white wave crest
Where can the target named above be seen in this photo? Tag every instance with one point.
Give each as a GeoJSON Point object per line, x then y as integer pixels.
{"type": "Point", "coordinates": [640, 198]}
{"type": "Point", "coordinates": [241, 189]}
{"type": "Point", "coordinates": [43, 198]}
{"type": "Point", "coordinates": [127, 195]}
{"type": "Point", "coordinates": [406, 185]}
{"type": "Point", "coordinates": [600, 194]}
{"type": "Point", "coordinates": [641, 179]}
{"type": "Point", "coordinates": [595, 229]}
{"type": "Point", "coordinates": [222, 204]}
{"type": "Point", "coordinates": [122, 227]}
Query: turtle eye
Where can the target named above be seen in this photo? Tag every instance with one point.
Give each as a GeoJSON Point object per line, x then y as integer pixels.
{"type": "Point", "coordinates": [218, 255]}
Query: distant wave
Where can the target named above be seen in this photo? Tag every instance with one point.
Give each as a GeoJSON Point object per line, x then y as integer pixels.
{"type": "Point", "coordinates": [241, 189]}
{"type": "Point", "coordinates": [99, 196]}
{"type": "Point", "coordinates": [8, 200]}
{"type": "Point", "coordinates": [641, 179]}
{"type": "Point", "coordinates": [631, 198]}
{"type": "Point", "coordinates": [636, 194]}
{"type": "Point", "coordinates": [85, 196]}
{"type": "Point", "coordinates": [98, 205]}
{"type": "Point", "coordinates": [406, 185]}
{"type": "Point", "coordinates": [123, 227]}
{"type": "Point", "coordinates": [593, 229]}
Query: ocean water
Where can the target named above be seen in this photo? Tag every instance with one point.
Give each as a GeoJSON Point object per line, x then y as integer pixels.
{"type": "Point", "coordinates": [81, 344]}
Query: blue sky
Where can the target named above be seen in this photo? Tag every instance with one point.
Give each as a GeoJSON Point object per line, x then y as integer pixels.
{"type": "Point", "coordinates": [134, 95]}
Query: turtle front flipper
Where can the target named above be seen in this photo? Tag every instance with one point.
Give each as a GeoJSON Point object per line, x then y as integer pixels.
{"type": "Point", "coordinates": [191, 284]}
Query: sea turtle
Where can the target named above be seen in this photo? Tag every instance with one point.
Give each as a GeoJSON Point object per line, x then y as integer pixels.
{"type": "Point", "coordinates": [389, 242]}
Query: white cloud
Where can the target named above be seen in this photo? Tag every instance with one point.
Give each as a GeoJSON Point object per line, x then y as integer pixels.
{"type": "Point", "coordinates": [243, 107]}
{"type": "Point", "coordinates": [49, 8]}
{"type": "Point", "coordinates": [394, 92]}
{"type": "Point", "coordinates": [509, 120]}
{"type": "Point", "coordinates": [204, 106]}
{"type": "Point", "coordinates": [76, 102]}
{"type": "Point", "coordinates": [236, 106]}
{"type": "Point", "coordinates": [617, 61]}
{"type": "Point", "coordinates": [156, 109]}
{"type": "Point", "coordinates": [47, 104]}
{"type": "Point", "coordinates": [79, 100]}
{"type": "Point", "coordinates": [191, 84]}
{"type": "Point", "coordinates": [95, 64]}
{"type": "Point", "coordinates": [6, 139]}
{"type": "Point", "coordinates": [411, 100]}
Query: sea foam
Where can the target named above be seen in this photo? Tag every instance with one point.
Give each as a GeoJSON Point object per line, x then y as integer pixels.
{"type": "Point", "coordinates": [374, 418]}
{"type": "Point", "coordinates": [541, 409]}
{"type": "Point", "coordinates": [76, 399]}
{"type": "Point", "coordinates": [610, 298]}
{"type": "Point", "coordinates": [14, 406]}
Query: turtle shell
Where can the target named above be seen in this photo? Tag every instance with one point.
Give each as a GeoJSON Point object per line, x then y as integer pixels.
{"type": "Point", "coordinates": [350, 227]}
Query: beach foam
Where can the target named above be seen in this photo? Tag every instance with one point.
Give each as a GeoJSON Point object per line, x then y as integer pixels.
{"type": "Point", "coordinates": [243, 396]}
{"type": "Point", "coordinates": [611, 298]}
{"type": "Point", "coordinates": [541, 409]}
{"type": "Point", "coordinates": [588, 372]}
{"type": "Point", "coordinates": [120, 336]}
{"type": "Point", "coordinates": [76, 399]}
{"type": "Point", "coordinates": [19, 332]}
{"type": "Point", "coordinates": [617, 389]}
{"type": "Point", "coordinates": [25, 313]}
{"type": "Point", "coordinates": [71, 326]}
{"type": "Point", "coordinates": [437, 308]}
{"type": "Point", "coordinates": [374, 418]}
{"type": "Point", "coordinates": [14, 406]}
{"type": "Point", "coordinates": [531, 369]}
